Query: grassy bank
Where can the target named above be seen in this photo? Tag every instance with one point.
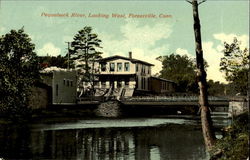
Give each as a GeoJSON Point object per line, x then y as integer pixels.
{"type": "Point", "coordinates": [235, 142]}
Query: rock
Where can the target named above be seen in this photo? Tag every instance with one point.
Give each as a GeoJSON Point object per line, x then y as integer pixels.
{"type": "Point", "coordinates": [108, 109]}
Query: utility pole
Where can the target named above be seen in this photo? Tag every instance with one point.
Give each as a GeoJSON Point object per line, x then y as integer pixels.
{"type": "Point", "coordinates": [208, 134]}
{"type": "Point", "coordinates": [68, 54]}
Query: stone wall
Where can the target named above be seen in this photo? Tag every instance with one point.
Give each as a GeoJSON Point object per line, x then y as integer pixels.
{"type": "Point", "coordinates": [108, 109]}
{"type": "Point", "coordinates": [237, 105]}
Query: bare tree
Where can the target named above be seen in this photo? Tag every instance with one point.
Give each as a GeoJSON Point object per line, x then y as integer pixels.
{"type": "Point", "coordinates": [208, 134]}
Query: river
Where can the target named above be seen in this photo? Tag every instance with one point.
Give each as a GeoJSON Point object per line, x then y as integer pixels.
{"type": "Point", "coordinates": [107, 139]}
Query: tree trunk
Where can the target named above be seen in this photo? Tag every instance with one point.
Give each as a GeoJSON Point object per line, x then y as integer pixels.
{"type": "Point", "coordinates": [206, 120]}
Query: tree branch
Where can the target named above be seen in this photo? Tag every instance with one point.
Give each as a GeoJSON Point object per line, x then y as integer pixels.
{"type": "Point", "coordinates": [202, 2]}
{"type": "Point", "coordinates": [189, 2]}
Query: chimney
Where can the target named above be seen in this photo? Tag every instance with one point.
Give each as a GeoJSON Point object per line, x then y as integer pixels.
{"type": "Point", "coordinates": [130, 55]}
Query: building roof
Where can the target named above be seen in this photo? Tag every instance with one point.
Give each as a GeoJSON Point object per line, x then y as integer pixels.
{"type": "Point", "coordinates": [112, 74]}
{"type": "Point", "coordinates": [162, 79]}
{"type": "Point", "coordinates": [126, 58]}
{"type": "Point", "coordinates": [54, 68]}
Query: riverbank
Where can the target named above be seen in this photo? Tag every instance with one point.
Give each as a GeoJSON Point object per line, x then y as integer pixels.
{"type": "Point", "coordinates": [74, 113]}
{"type": "Point", "coordinates": [235, 142]}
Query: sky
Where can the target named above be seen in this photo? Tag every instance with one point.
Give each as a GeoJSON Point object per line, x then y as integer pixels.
{"type": "Point", "coordinates": [170, 31]}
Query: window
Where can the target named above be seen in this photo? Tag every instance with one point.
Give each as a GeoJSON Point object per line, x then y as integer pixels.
{"type": "Point", "coordinates": [143, 83]}
{"type": "Point", "coordinates": [143, 69]}
{"type": "Point", "coordinates": [119, 84]}
{"type": "Point", "coordinates": [119, 67]}
{"type": "Point", "coordinates": [103, 83]}
{"type": "Point", "coordinates": [71, 83]}
{"type": "Point", "coordinates": [112, 67]}
{"type": "Point", "coordinates": [64, 81]}
{"type": "Point", "coordinates": [127, 82]}
{"type": "Point", "coordinates": [168, 85]}
{"type": "Point", "coordinates": [136, 67]}
{"type": "Point", "coordinates": [67, 82]}
{"type": "Point", "coordinates": [103, 67]}
{"type": "Point", "coordinates": [126, 66]}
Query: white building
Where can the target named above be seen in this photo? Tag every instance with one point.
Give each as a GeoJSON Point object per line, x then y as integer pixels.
{"type": "Point", "coordinates": [120, 71]}
{"type": "Point", "coordinates": [121, 76]}
{"type": "Point", "coordinates": [63, 83]}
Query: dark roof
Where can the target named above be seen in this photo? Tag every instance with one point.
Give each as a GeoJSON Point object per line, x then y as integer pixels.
{"type": "Point", "coordinates": [162, 79]}
{"type": "Point", "coordinates": [114, 74]}
{"type": "Point", "coordinates": [126, 58]}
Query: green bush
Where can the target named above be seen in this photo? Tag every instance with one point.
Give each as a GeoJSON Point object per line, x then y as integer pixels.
{"type": "Point", "coordinates": [234, 144]}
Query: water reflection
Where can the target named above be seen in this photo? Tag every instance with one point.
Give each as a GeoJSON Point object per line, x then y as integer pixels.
{"type": "Point", "coordinates": [14, 142]}
{"type": "Point", "coordinates": [170, 141]}
{"type": "Point", "coordinates": [83, 144]}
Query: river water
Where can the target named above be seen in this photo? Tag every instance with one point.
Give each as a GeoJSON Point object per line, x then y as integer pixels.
{"type": "Point", "coordinates": [106, 139]}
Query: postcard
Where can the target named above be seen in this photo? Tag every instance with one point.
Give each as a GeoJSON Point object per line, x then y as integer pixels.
{"type": "Point", "coordinates": [119, 78]}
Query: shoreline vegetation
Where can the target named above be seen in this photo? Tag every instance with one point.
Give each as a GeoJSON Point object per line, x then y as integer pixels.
{"type": "Point", "coordinates": [235, 141]}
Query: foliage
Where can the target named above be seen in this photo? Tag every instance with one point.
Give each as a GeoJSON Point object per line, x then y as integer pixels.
{"type": "Point", "coordinates": [215, 88]}
{"type": "Point", "coordinates": [181, 70]}
{"type": "Point", "coordinates": [18, 71]}
{"type": "Point", "coordinates": [84, 52]}
{"type": "Point", "coordinates": [48, 61]}
{"type": "Point", "coordinates": [234, 144]}
{"type": "Point", "coordinates": [235, 64]}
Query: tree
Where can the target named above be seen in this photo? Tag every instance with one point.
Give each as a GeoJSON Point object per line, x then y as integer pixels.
{"type": "Point", "coordinates": [181, 70]}
{"type": "Point", "coordinates": [48, 61]}
{"type": "Point", "coordinates": [235, 64]}
{"type": "Point", "coordinates": [84, 51]}
{"type": "Point", "coordinates": [18, 71]}
{"type": "Point", "coordinates": [206, 121]}
{"type": "Point", "coordinates": [215, 88]}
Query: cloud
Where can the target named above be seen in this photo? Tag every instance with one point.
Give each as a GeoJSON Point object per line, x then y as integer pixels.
{"type": "Point", "coordinates": [141, 40]}
{"type": "Point", "coordinates": [2, 30]}
{"type": "Point", "coordinates": [213, 53]}
{"type": "Point", "coordinates": [50, 49]}
{"type": "Point", "coordinates": [213, 56]}
{"type": "Point", "coordinates": [222, 37]}
{"type": "Point", "coordinates": [183, 52]}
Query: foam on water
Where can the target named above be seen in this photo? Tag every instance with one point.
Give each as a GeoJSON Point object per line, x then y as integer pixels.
{"type": "Point", "coordinates": [113, 123]}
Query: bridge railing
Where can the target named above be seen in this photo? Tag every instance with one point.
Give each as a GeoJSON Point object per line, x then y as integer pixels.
{"type": "Point", "coordinates": [171, 98]}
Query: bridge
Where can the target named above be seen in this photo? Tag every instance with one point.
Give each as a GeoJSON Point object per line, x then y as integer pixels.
{"type": "Point", "coordinates": [158, 101]}
{"type": "Point", "coordinates": [173, 101]}
{"type": "Point", "coordinates": [152, 105]}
